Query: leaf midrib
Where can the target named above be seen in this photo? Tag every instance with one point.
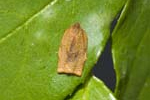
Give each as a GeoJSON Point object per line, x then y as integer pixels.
{"type": "Point", "coordinates": [12, 32]}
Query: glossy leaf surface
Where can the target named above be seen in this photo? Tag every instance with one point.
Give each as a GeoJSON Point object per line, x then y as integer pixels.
{"type": "Point", "coordinates": [29, 45]}
{"type": "Point", "coordinates": [94, 89]}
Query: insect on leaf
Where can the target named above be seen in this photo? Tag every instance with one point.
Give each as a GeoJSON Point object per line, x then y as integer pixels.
{"type": "Point", "coordinates": [72, 51]}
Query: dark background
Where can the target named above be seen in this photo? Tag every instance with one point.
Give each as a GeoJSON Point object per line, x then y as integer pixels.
{"type": "Point", "coordinates": [103, 69]}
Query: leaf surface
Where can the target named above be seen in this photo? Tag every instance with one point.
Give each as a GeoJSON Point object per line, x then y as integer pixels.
{"type": "Point", "coordinates": [29, 48]}
{"type": "Point", "coordinates": [131, 51]}
{"type": "Point", "coordinates": [13, 13]}
{"type": "Point", "coordinates": [94, 89]}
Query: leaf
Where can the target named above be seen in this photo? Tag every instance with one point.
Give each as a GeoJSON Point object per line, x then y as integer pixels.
{"type": "Point", "coordinates": [131, 51]}
{"type": "Point", "coordinates": [13, 13]}
{"type": "Point", "coordinates": [29, 51]}
{"type": "Point", "coordinates": [94, 89]}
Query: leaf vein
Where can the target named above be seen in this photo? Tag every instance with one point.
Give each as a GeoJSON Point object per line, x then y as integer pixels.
{"type": "Point", "coordinates": [11, 33]}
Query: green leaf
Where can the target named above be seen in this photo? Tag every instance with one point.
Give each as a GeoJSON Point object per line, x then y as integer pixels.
{"type": "Point", "coordinates": [13, 13]}
{"type": "Point", "coordinates": [94, 89]}
{"type": "Point", "coordinates": [131, 51]}
{"type": "Point", "coordinates": [29, 46]}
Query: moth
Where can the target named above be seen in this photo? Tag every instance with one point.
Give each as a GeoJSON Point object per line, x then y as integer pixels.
{"type": "Point", "coordinates": [73, 51]}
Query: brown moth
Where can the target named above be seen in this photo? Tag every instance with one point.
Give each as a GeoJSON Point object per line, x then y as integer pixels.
{"type": "Point", "coordinates": [72, 51]}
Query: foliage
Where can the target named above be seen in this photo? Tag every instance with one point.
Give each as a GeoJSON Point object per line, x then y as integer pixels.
{"type": "Point", "coordinates": [30, 35]}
